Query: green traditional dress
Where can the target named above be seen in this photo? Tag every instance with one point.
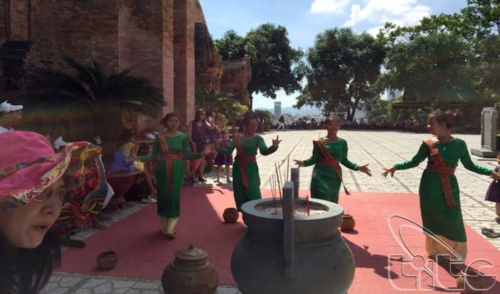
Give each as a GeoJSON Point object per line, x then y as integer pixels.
{"type": "Point", "coordinates": [246, 180]}
{"type": "Point", "coordinates": [169, 183]}
{"type": "Point", "coordinates": [437, 216]}
{"type": "Point", "coordinates": [325, 181]}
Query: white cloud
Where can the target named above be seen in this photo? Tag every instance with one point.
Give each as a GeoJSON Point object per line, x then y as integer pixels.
{"type": "Point", "coordinates": [374, 31]}
{"type": "Point", "coordinates": [328, 6]}
{"type": "Point", "coordinates": [378, 12]}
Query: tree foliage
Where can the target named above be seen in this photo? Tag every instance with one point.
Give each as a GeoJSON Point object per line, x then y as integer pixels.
{"type": "Point", "coordinates": [275, 64]}
{"type": "Point", "coordinates": [264, 116]}
{"type": "Point", "coordinates": [446, 57]}
{"type": "Point", "coordinates": [219, 103]}
{"type": "Point", "coordinates": [343, 68]}
{"type": "Point", "coordinates": [431, 67]}
{"type": "Point", "coordinates": [89, 101]}
{"type": "Point", "coordinates": [231, 45]}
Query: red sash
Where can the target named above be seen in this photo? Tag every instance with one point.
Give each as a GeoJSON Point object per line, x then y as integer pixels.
{"type": "Point", "coordinates": [442, 170]}
{"type": "Point", "coordinates": [168, 158]}
{"type": "Point", "coordinates": [330, 161]}
{"type": "Point", "coordinates": [243, 160]}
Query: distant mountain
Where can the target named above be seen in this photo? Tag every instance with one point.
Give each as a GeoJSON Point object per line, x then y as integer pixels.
{"type": "Point", "coordinates": [305, 110]}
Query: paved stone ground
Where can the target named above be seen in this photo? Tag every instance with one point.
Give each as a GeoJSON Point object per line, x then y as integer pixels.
{"type": "Point", "coordinates": [378, 148]}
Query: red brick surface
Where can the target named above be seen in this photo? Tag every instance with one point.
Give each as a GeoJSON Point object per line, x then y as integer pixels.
{"type": "Point", "coordinates": [153, 38]}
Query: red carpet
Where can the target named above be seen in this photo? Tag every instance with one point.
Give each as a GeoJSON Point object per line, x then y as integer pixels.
{"type": "Point", "coordinates": [144, 253]}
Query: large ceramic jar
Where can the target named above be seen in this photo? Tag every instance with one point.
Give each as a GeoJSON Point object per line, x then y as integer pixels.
{"type": "Point", "coordinates": [322, 261]}
{"type": "Point", "coordinates": [190, 273]}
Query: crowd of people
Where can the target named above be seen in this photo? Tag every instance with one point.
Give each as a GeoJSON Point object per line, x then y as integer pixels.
{"type": "Point", "coordinates": [46, 190]}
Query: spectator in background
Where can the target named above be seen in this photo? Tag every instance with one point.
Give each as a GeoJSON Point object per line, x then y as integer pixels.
{"type": "Point", "coordinates": [281, 123]}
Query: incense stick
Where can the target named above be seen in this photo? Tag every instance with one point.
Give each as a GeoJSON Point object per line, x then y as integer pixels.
{"type": "Point", "coordinates": [287, 167]}
{"type": "Point", "coordinates": [278, 176]}
{"type": "Point", "coordinates": [273, 193]}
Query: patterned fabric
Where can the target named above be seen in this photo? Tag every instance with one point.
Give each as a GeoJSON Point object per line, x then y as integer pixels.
{"type": "Point", "coordinates": [74, 154]}
{"type": "Point", "coordinates": [28, 165]}
{"type": "Point", "coordinates": [88, 187]}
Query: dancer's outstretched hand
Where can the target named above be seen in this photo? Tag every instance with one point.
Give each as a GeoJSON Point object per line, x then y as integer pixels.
{"type": "Point", "coordinates": [299, 162]}
{"type": "Point", "coordinates": [365, 169]}
{"type": "Point", "coordinates": [389, 170]}
{"type": "Point", "coordinates": [276, 142]}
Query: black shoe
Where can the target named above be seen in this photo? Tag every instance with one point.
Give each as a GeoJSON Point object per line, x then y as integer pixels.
{"type": "Point", "coordinates": [202, 179]}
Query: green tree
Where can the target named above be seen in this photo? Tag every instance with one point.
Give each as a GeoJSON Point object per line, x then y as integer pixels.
{"type": "Point", "coordinates": [231, 45]}
{"type": "Point", "coordinates": [219, 103]}
{"type": "Point", "coordinates": [264, 116]}
{"type": "Point", "coordinates": [379, 111]}
{"type": "Point", "coordinates": [343, 70]}
{"type": "Point", "coordinates": [430, 67]}
{"type": "Point", "coordinates": [275, 64]}
{"type": "Point", "coordinates": [476, 59]}
{"type": "Point", "coordinates": [89, 101]}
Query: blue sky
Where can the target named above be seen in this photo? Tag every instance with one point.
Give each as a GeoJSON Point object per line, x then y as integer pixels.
{"type": "Point", "coordinates": [304, 19]}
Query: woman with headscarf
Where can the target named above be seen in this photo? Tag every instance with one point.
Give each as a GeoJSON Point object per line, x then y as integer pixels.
{"type": "Point", "coordinates": [35, 184]}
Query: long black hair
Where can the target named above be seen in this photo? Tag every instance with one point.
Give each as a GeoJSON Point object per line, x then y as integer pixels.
{"type": "Point", "coordinates": [27, 271]}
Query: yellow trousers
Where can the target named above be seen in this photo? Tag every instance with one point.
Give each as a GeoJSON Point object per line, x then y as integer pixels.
{"type": "Point", "coordinates": [168, 225]}
{"type": "Point", "coordinates": [434, 247]}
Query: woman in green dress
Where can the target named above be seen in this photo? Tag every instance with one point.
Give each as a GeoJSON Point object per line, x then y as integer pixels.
{"type": "Point", "coordinates": [169, 150]}
{"type": "Point", "coordinates": [246, 180]}
{"type": "Point", "coordinates": [439, 192]}
{"type": "Point", "coordinates": [328, 154]}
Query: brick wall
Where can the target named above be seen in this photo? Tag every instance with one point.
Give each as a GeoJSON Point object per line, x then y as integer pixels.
{"type": "Point", "coordinates": [168, 54]}
{"type": "Point", "coordinates": [152, 38]}
{"type": "Point", "coordinates": [2, 21]}
{"type": "Point", "coordinates": [60, 28]}
{"type": "Point", "coordinates": [19, 19]}
{"type": "Point", "coordinates": [184, 65]}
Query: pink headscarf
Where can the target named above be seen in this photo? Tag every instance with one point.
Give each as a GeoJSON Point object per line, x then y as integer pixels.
{"type": "Point", "coordinates": [29, 164]}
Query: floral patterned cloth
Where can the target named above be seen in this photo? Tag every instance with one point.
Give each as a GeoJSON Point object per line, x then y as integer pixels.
{"type": "Point", "coordinates": [29, 165]}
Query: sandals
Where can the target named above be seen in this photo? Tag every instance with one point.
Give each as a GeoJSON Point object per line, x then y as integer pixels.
{"type": "Point", "coordinates": [490, 233]}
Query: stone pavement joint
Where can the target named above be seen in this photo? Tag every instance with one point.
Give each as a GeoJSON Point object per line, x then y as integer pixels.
{"type": "Point", "coordinates": [379, 149]}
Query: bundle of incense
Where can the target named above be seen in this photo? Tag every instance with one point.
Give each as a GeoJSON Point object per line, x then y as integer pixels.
{"type": "Point", "coordinates": [278, 177]}
{"type": "Point", "coordinates": [273, 193]}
